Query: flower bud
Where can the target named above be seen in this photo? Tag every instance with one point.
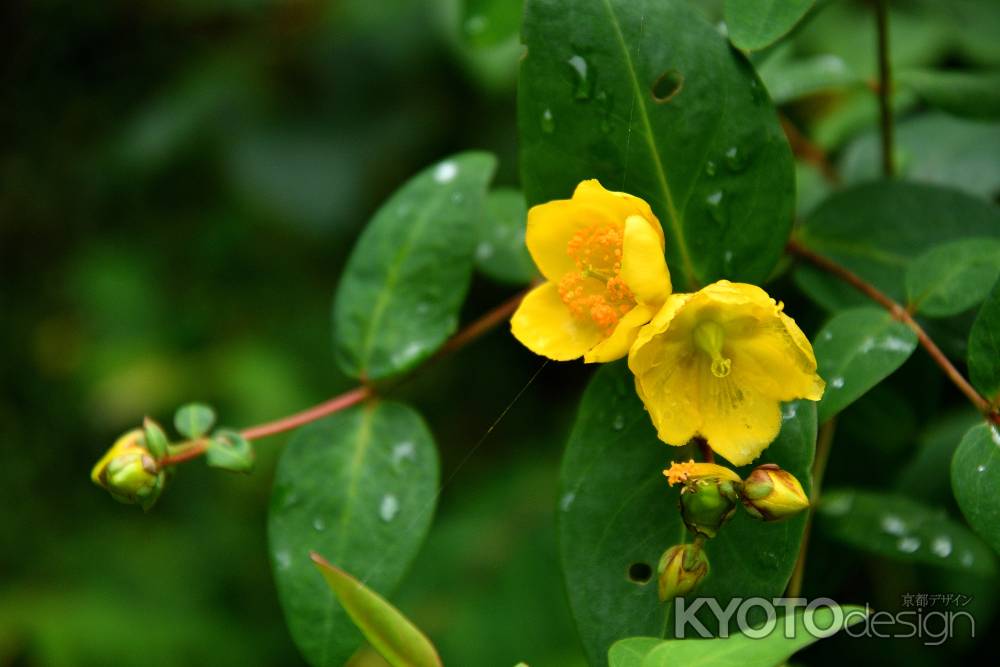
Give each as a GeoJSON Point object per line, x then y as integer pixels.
{"type": "Point", "coordinates": [772, 494]}
{"type": "Point", "coordinates": [709, 496]}
{"type": "Point", "coordinates": [129, 472]}
{"type": "Point", "coordinates": [681, 569]}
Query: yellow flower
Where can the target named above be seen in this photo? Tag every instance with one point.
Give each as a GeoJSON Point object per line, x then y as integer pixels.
{"type": "Point", "coordinates": [601, 253]}
{"type": "Point", "coordinates": [718, 363]}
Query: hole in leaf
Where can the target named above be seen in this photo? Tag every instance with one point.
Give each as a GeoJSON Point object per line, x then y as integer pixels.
{"type": "Point", "coordinates": [640, 573]}
{"type": "Point", "coordinates": [667, 86]}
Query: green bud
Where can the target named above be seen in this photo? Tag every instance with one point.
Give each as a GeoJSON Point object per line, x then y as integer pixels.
{"type": "Point", "coordinates": [156, 439]}
{"type": "Point", "coordinates": [772, 494]}
{"type": "Point", "coordinates": [129, 473]}
{"type": "Point", "coordinates": [681, 569]}
{"type": "Point", "coordinates": [708, 503]}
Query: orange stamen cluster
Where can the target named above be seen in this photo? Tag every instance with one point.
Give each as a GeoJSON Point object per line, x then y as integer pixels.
{"type": "Point", "coordinates": [595, 292]}
{"type": "Point", "coordinates": [679, 472]}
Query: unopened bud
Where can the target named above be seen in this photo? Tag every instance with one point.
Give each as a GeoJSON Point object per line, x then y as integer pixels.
{"type": "Point", "coordinates": [772, 494]}
{"type": "Point", "coordinates": [681, 569]}
{"type": "Point", "coordinates": [709, 496]}
{"type": "Point", "coordinates": [129, 472]}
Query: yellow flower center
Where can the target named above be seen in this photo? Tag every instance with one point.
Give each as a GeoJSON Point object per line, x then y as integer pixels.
{"type": "Point", "coordinates": [594, 291]}
{"type": "Point", "coordinates": [709, 337]}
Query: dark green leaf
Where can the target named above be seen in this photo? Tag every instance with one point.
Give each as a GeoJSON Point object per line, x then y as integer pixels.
{"type": "Point", "coordinates": [877, 229]}
{"type": "Point", "coordinates": [902, 529]}
{"type": "Point", "coordinates": [969, 94]}
{"type": "Point", "coordinates": [932, 148]}
{"type": "Point", "coordinates": [984, 346]}
{"type": "Point", "coordinates": [388, 631]}
{"type": "Point", "coordinates": [855, 351]}
{"type": "Point", "coordinates": [975, 479]}
{"type": "Point", "coordinates": [648, 98]}
{"type": "Point", "coordinates": [360, 488]}
{"type": "Point", "coordinates": [405, 281]}
{"type": "Point", "coordinates": [230, 451]}
{"type": "Point", "coordinates": [501, 253]}
{"type": "Point", "coordinates": [925, 476]}
{"type": "Point", "coordinates": [617, 510]}
{"type": "Point", "coordinates": [953, 277]}
{"type": "Point", "coordinates": [194, 420]}
{"type": "Point", "coordinates": [746, 650]}
{"type": "Point", "coordinates": [754, 24]}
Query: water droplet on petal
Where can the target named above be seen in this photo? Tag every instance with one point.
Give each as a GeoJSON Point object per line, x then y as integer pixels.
{"type": "Point", "coordinates": [548, 122]}
{"type": "Point", "coordinates": [389, 507]}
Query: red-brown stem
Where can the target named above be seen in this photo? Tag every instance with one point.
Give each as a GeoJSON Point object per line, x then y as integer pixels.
{"type": "Point", "coordinates": [706, 452]}
{"type": "Point", "coordinates": [335, 404]}
{"type": "Point", "coordinates": [902, 315]}
{"type": "Point", "coordinates": [468, 334]}
{"type": "Point", "coordinates": [885, 88]}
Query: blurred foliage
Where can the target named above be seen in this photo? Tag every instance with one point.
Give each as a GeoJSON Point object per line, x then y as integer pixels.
{"type": "Point", "coordinates": [180, 184]}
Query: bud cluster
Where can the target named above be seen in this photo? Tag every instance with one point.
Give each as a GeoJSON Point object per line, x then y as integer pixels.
{"type": "Point", "coordinates": [709, 497]}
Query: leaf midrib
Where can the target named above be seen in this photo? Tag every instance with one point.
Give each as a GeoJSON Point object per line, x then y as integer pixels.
{"type": "Point", "coordinates": [661, 177]}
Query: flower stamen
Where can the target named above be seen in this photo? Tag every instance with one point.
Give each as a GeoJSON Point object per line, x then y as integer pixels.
{"type": "Point", "coordinates": [709, 337]}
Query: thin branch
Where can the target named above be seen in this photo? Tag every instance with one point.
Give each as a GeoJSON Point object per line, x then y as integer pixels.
{"type": "Point", "coordinates": [335, 404]}
{"type": "Point", "coordinates": [807, 151]}
{"type": "Point", "coordinates": [885, 87]}
{"type": "Point", "coordinates": [901, 314]}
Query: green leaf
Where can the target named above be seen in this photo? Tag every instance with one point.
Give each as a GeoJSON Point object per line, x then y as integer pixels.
{"type": "Point", "coordinates": [647, 97]}
{"type": "Point", "coordinates": [501, 253]}
{"type": "Point", "coordinates": [855, 351]}
{"type": "Point", "coordinates": [617, 511]}
{"type": "Point", "coordinates": [359, 487]}
{"type": "Point", "coordinates": [788, 80]}
{"type": "Point", "coordinates": [968, 94]}
{"type": "Point", "coordinates": [194, 420]}
{"type": "Point", "coordinates": [975, 478]}
{"type": "Point", "coordinates": [754, 24]}
{"type": "Point", "coordinates": [230, 451]}
{"type": "Point", "coordinates": [902, 529]}
{"type": "Point", "coordinates": [925, 476]}
{"type": "Point", "coordinates": [746, 650]}
{"type": "Point", "coordinates": [984, 347]}
{"type": "Point", "coordinates": [406, 279]}
{"type": "Point", "coordinates": [877, 229]}
{"type": "Point", "coordinates": [388, 631]}
{"type": "Point", "coordinates": [630, 652]}
{"type": "Point", "coordinates": [932, 148]}
{"type": "Point", "coordinates": [953, 277]}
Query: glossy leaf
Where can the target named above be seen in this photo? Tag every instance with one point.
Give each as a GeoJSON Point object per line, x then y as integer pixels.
{"type": "Point", "coordinates": [902, 529]}
{"type": "Point", "coordinates": [648, 97]}
{"type": "Point", "coordinates": [754, 24]}
{"type": "Point", "coordinates": [406, 279]}
{"type": "Point", "coordinates": [501, 253]}
{"type": "Point", "coordinates": [855, 351]}
{"type": "Point", "coordinates": [230, 451]}
{"type": "Point", "coordinates": [932, 148]}
{"type": "Point", "coordinates": [984, 346]}
{"type": "Point", "coordinates": [975, 478]}
{"type": "Point", "coordinates": [925, 475]}
{"type": "Point", "coordinates": [194, 420]}
{"type": "Point", "coordinates": [877, 229]}
{"type": "Point", "coordinates": [388, 631]}
{"type": "Point", "coordinates": [963, 93]}
{"type": "Point", "coordinates": [617, 511]}
{"type": "Point", "coordinates": [360, 488]}
{"type": "Point", "coordinates": [744, 650]}
{"type": "Point", "coordinates": [953, 277]}
{"type": "Point", "coordinates": [631, 652]}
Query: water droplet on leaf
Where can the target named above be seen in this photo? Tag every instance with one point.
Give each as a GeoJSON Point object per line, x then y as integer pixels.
{"type": "Point", "coordinates": [548, 122]}
{"type": "Point", "coordinates": [583, 76]}
{"type": "Point", "coordinates": [389, 507]}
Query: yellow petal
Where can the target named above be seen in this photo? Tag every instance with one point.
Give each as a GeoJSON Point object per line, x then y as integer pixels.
{"type": "Point", "coordinates": [668, 388]}
{"type": "Point", "coordinates": [645, 352]}
{"type": "Point", "coordinates": [550, 228]}
{"type": "Point", "coordinates": [738, 421]}
{"type": "Point", "coordinates": [644, 268]}
{"type": "Point", "coordinates": [544, 325]}
{"type": "Point", "coordinates": [620, 204]}
{"type": "Point", "coordinates": [778, 361]}
{"type": "Point", "coordinates": [618, 343]}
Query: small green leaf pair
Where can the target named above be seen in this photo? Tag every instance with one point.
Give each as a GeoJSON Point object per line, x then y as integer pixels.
{"type": "Point", "coordinates": [225, 449]}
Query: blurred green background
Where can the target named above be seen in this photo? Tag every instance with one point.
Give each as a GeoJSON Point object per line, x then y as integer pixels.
{"type": "Point", "coordinates": [180, 184]}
